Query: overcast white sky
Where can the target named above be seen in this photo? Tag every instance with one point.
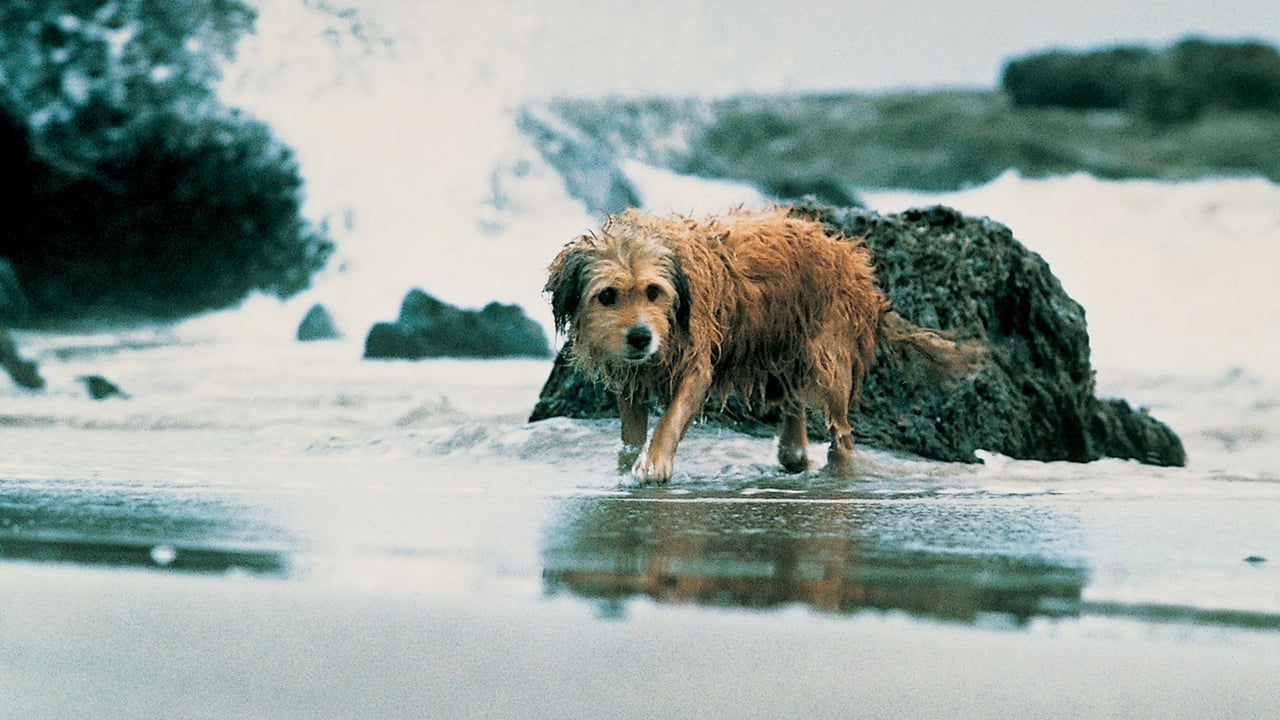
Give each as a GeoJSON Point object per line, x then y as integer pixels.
{"type": "Point", "coordinates": [524, 48]}
{"type": "Point", "coordinates": [725, 46]}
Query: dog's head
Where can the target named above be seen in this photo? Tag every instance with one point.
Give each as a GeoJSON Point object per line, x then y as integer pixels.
{"type": "Point", "coordinates": [620, 295]}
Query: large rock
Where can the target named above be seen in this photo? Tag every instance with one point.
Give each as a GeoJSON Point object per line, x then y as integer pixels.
{"type": "Point", "coordinates": [428, 327]}
{"type": "Point", "coordinates": [1034, 399]}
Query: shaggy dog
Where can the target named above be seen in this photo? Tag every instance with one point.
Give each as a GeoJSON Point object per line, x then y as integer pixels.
{"type": "Point", "coordinates": [765, 303]}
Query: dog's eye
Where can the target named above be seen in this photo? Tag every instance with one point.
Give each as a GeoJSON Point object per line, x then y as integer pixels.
{"type": "Point", "coordinates": [607, 296]}
{"type": "Point", "coordinates": [652, 292]}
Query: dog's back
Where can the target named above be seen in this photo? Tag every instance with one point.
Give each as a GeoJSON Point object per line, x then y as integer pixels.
{"type": "Point", "coordinates": [776, 296]}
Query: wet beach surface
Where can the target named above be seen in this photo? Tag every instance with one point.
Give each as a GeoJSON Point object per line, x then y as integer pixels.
{"type": "Point", "coordinates": [289, 587]}
{"type": "Point", "coordinates": [335, 538]}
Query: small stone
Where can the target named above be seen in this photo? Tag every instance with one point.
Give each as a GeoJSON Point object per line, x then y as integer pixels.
{"type": "Point", "coordinates": [101, 388]}
{"type": "Point", "coordinates": [317, 324]}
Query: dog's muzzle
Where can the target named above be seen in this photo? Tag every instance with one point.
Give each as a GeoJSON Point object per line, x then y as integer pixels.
{"type": "Point", "coordinates": [640, 343]}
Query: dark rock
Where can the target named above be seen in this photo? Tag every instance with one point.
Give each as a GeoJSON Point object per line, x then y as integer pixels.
{"type": "Point", "coordinates": [568, 392]}
{"type": "Point", "coordinates": [317, 324]}
{"type": "Point", "coordinates": [101, 388]}
{"type": "Point", "coordinates": [15, 307]}
{"type": "Point", "coordinates": [1120, 431]}
{"type": "Point", "coordinates": [23, 372]}
{"type": "Point", "coordinates": [167, 214]}
{"type": "Point", "coordinates": [391, 341]}
{"type": "Point", "coordinates": [590, 169]}
{"type": "Point", "coordinates": [1162, 86]}
{"type": "Point", "coordinates": [428, 327]}
{"type": "Point", "coordinates": [1033, 399]}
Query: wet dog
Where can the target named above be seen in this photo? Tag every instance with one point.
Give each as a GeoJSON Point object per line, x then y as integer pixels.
{"type": "Point", "coordinates": [765, 303]}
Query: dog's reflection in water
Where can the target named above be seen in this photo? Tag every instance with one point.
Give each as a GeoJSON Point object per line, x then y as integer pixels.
{"type": "Point", "coordinates": [835, 556]}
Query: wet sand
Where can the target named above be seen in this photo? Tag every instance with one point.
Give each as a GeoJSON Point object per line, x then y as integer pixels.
{"type": "Point", "coordinates": [286, 586]}
{"type": "Point", "coordinates": [80, 644]}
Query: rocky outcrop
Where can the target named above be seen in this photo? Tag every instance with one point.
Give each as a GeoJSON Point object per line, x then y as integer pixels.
{"type": "Point", "coordinates": [429, 328]}
{"type": "Point", "coordinates": [1033, 398]}
{"type": "Point", "coordinates": [591, 170]}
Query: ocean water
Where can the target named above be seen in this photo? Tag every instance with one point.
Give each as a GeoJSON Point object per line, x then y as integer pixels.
{"type": "Point", "coordinates": [372, 538]}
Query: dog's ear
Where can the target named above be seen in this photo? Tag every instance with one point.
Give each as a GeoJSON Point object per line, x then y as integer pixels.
{"type": "Point", "coordinates": [683, 299]}
{"type": "Point", "coordinates": [564, 284]}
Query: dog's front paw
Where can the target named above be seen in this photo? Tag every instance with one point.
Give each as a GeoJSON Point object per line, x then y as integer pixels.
{"type": "Point", "coordinates": [651, 468]}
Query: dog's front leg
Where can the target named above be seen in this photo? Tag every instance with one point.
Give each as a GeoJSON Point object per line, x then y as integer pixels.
{"type": "Point", "coordinates": [656, 464]}
{"type": "Point", "coordinates": [635, 428]}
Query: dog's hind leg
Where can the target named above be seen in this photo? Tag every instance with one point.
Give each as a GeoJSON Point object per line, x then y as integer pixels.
{"type": "Point", "coordinates": [840, 454]}
{"type": "Point", "coordinates": [835, 393]}
{"type": "Point", "coordinates": [793, 440]}
{"type": "Point", "coordinates": [634, 410]}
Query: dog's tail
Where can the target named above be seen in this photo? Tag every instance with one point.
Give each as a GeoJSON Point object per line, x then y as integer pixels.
{"type": "Point", "coordinates": [946, 355]}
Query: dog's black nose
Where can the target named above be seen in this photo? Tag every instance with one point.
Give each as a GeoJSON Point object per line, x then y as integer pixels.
{"type": "Point", "coordinates": [638, 337]}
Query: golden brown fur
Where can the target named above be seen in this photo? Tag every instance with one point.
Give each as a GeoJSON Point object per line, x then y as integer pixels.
{"type": "Point", "coordinates": [764, 303]}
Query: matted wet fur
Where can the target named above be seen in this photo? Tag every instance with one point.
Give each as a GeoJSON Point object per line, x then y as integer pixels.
{"type": "Point", "coordinates": [761, 302]}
